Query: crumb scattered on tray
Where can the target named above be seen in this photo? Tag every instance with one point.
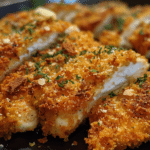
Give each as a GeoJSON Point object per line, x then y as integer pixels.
{"type": "Point", "coordinates": [32, 144]}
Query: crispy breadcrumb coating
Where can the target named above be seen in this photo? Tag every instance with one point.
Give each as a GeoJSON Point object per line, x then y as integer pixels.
{"type": "Point", "coordinates": [93, 16]}
{"type": "Point", "coordinates": [122, 120]}
{"type": "Point", "coordinates": [124, 26]}
{"type": "Point", "coordinates": [19, 33]}
{"type": "Point", "coordinates": [59, 83]}
{"type": "Point", "coordinates": [140, 39]}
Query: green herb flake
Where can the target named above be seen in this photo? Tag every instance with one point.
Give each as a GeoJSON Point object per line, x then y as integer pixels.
{"type": "Point", "coordinates": [105, 105]}
{"type": "Point", "coordinates": [28, 80]}
{"type": "Point", "coordinates": [72, 82]}
{"type": "Point", "coordinates": [103, 99]}
{"type": "Point", "coordinates": [57, 66]}
{"type": "Point", "coordinates": [61, 84]}
{"type": "Point", "coordinates": [112, 94]}
{"type": "Point", "coordinates": [120, 23]}
{"type": "Point", "coordinates": [83, 52]}
{"type": "Point", "coordinates": [30, 38]}
{"type": "Point", "coordinates": [37, 65]}
{"type": "Point", "coordinates": [93, 70]}
{"type": "Point", "coordinates": [58, 77]}
{"type": "Point", "coordinates": [21, 97]}
{"type": "Point", "coordinates": [141, 80]}
{"type": "Point", "coordinates": [27, 70]}
{"type": "Point", "coordinates": [108, 27]}
{"type": "Point", "coordinates": [98, 124]}
{"type": "Point", "coordinates": [141, 32]}
{"type": "Point", "coordinates": [77, 77]}
{"type": "Point", "coordinates": [30, 30]}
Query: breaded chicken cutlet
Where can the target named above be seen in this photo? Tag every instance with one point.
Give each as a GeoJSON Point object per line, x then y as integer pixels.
{"type": "Point", "coordinates": [121, 121]}
{"type": "Point", "coordinates": [93, 18]}
{"type": "Point", "coordinates": [124, 26]}
{"type": "Point", "coordinates": [23, 33]}
{"type": "Point", "coordinates": [111, 22]}
{"type": "Point", "coordinates": [61, 84]}
{"type": "Point", "coordinates": [140, 39]}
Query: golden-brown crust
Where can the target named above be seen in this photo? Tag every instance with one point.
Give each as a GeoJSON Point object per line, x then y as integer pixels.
{"type": "Point", "coordinates": [91, 19]}
{"type": "Point", "coordinates": [140, 39]}
{"type": "Point", "coordinates": [19, 31]}
{"type": "Point", "coordinates": [58, 83]}
{"type": "Point", "coordinates": [121, 121]}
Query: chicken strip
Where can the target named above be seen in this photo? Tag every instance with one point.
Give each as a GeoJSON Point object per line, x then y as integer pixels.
{"type": "Point", "coordinates": [140, 39]}
{"type": "Point", "coordinates": [23, 33]}
{"type": "Point", "coordinates": [64, 82]}
{"type": "Point", "coordinates": [121, 120]}
{"type": "Point", "coordinates": [95, 17]}
{"type": "Point", "coordinates": [123, 27]}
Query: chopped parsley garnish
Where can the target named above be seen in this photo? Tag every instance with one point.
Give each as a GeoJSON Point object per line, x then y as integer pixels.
{"type": "Point", "coordinates": [108, 27]}
{"type": "Point", "coordinates": [39, 71]}
{"type": "Point", "coordinates": [30, 38]}
{"type": "Point", "coordinates": [57, 66]}
{"type": "Point", "coordinates": [72, 82]}
{"type": "Point", "coordinates": [62, 83]}
{"type": "Point", "coordinates": [37, 65]}
{"type": "Point", "coordinates": [83, 52]}
{"type": "Point", "coordinates": [27, 70]}
{"type": "Point", "coordinates": [141, 80]}
{"type": "Point", "coordinates": [98, 124]}
{"type": "Point", "coordinates": [120, 23]}
{"type": "Point", "coordinates": [103, 99]}
{"type": "Point", "coordinates": [98, 53]}
{"type": "Point", "coordinates": [62, 37]}
{"type": "Point", "coordinates": [28, 80]}
{"type": "Point", "coordinates": [58, 77]}
{"type": "Point", "coordinates": [141, 32]}
{"type": "Point", "coordinates": [112, 94]}
{"type": "Point", "coordinates": [104, 105]}
{"type": "Point", "coordinates": [30, 30]}
{"type": "Point", "coordinates": [110, 49]}
{"type": "Point", "coordinates": [21, 97]}
{"type": "Point", "coordinates": [93, 70]}
{"type": "Point", "coordinates": [66, 56]}
{"type": "Point", "coordinates": [78, 77]}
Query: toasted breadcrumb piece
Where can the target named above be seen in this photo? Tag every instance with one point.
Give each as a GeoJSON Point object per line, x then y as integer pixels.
{"type": "Point", "coordinates": [32, 144]}
{"type": "Point", "coordinates": [123, 120]}
{"type": "Point", "coordinates": [43, 140]}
